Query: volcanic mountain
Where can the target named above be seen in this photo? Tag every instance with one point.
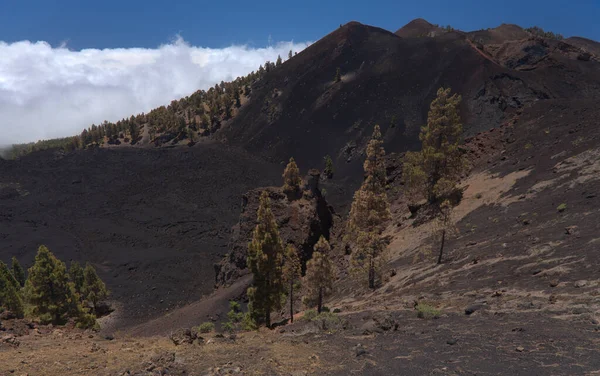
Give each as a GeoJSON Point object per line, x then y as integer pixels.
{"type": "Point", "coordinates": [155, 220]}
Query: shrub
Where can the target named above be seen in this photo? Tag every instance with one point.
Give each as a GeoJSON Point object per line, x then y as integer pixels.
{"type": "Point", "coordinates": [310, 315]}
{"type": "Point", "coordinates": [425, 311]}
{"type": "Point", "coordinates": [206, 327]}
{"type": "Point", "coordinates": [562, 207]}
{"type": "Point", "coordinates": [227, 327]}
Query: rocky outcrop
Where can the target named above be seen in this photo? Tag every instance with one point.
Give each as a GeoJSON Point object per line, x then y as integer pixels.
{"type": "Point", "coordinates": [301, 222]}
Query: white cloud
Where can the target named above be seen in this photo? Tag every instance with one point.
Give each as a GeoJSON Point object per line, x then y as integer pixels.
{"type": "Point", "coordinates": [48, 92]}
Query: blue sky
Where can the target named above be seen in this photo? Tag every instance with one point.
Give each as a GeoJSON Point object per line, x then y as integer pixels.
{"type": "Point", "coordinates": [150, 23]}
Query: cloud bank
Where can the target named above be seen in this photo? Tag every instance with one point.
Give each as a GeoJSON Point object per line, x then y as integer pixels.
{"type": "Point", "coordinates": [48, 92]}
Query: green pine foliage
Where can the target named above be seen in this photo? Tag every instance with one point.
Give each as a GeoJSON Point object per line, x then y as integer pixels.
{"type": "Point", "coordinates": [9, 275]}
{"type": "Point", "coordinates": [94, 290]}
{"type": "Point", "coordinates": [265, 259]}
{"type": "Point", "coordinates": [319, 274]}
{"type": "Point", "coordinates": [434, 171]}
{"type": "Point", "coordinates": [291, 177]}
{"type": "Point", "coordinates": [50, 292]}
{"type": "Point", "coordinates": [76, 274]}
{"type": "Point", "coordinates": [18, 272]}
{"type": "Point", "coordinates": [10, 292]}
{"type": "Point", "coordinates": [369, 214]}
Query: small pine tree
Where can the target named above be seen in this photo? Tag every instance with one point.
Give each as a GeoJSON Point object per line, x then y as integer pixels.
{"type": "Point", "coordinates": [134, 132]}
{"type": "Point", "coordinates": [291, 177]}
{"type": "Point", "coordinates": [369, 213]}
{"type": "Point", "coordinates": [279, 61]}
{"type": "Point", "coordinates": [94, 290]}
{"type": "Point", "coordinates": [320, 273]}
{"type": "Point", "coordinates": [292, 270]}
{"type": "Point", "coordinates": [49, 290]}
{"type": "Point", "coordinates": [10, 297]}
{"type": "Point", "coordinates": [265, 258]}
{"type": "Point", "coordinates": [9, 275]}
{"type": "Point", "coordinates": [338, 75]}
{"type": "Point", "coordinates": [434, 171]}
{"type": "Point", "coordinates": [18, 272]}
{"type": "Point", "coordinates": [328, 171]}
{"type": "Point", "coordinates": [290, 54]}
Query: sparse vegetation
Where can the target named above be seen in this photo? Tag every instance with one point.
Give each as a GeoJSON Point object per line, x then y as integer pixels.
{"type": "Point", "coordinates": [206, 327]}
{"type": "Point", "coordinates": [538, 31]}
{"type": "Point", "coordinates": [338, 75]}
{"type": "Point", "coordinates": [562, 207]}
{"type": "Point", "coordinates": [426, 311]}
{"type": "Point", "coordinates": [369, 214]}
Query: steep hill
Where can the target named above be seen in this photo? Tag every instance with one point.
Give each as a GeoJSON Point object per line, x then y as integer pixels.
{"type": "Point", "coordinates": [419, 28]}
{"type": "Point", "coordinates": [299, 110]}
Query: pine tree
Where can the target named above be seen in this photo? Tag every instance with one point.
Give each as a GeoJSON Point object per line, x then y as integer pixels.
{"type": "Point", "coordinates": [278, 62]}
{"type": "Point", "coordinates": [434, 171]}
{"type": "Point", "coordinates": [265, 258]}
{"type": "Point", "coordinates": [18, 272]}
{"type": "Point", "coordinates": [134, 132]}
{"type": "Point", "coordinates": [338, 75]}
{"type": "Point", "coordinates": [292, 271]}
{"type": "Point", "coordinates": [290, 54]}
{"type": "Point", "coordinates": [49, 290]}
{"type": "Point", "coordinates": [94, 290]}
{"type": "Point", "coordinates": [10, 296]}
{"type": "Point", "coordinates": [328, 167]}
{"type": "Point", "coordinates": [291, 177]}
{"type": "Point", "coordinates": [320, 273]}
{"type": "Point", "coordinates": [369, 214]}
{"type": "Point", "coordinates": [9, 275]}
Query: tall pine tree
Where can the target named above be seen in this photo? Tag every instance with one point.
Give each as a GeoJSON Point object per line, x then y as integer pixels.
{"type": "Point", "coordinates": [49, 290]}
{"type": "Point", "coordinates": [292, 271]}
{"type": "Point", "coordinates": [434, 171]}
{"type": "Point", "coordinates": [320, 273]}
{"type": "Point", "coordinates": [369, 214]}
{"type": "Point", "coordinates": [265, 259]}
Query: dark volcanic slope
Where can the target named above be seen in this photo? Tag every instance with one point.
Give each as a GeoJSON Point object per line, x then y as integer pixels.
{"type": "Point", "coordinates": [418, 28]}
{"type": "Point", "coordinates": [588, 45]}
{"type": "Point", "coordinates": [298, 110]}
{"type": "Point", "coordinates": [500, 34]}
{"type": "Point", "coordinates": [152, 221]}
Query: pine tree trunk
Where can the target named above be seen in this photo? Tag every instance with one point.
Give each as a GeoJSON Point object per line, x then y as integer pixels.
{"type": "Point", "coordinates": [442, 246]}
{"type": "Point", "coordinates": [268, 318]}
{"type": "Point", "coordinates": [292, 301]}
{"type": "Point", "coordinates": [371, 273]}
{"type": "Point", "coordinates": [320, 301]}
